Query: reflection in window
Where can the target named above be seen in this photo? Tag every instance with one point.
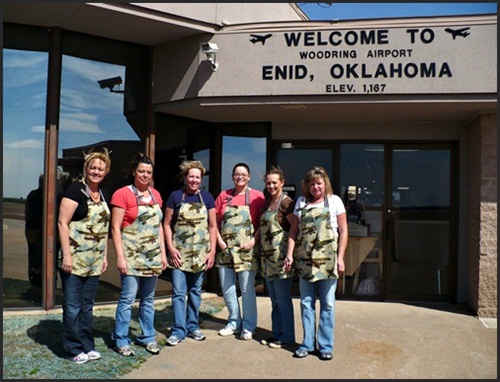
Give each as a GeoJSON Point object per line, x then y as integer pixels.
{"type": "Point", "coordinates": [24, 95]}
{"type": "Point", "coordinates": [92, 118]}
{"type": "Point", "coordinates": [249, 150]}
{"type": "Point", "coordinates": [362, 173]}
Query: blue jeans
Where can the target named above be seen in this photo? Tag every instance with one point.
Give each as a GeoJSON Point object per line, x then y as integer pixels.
{"type": "Point", "coordinates": [246, 280]}
{"type": "Point", "coordinates": [146, 287]}
{"type": "Point", "coordinates": [282, 323]}
{"type": "Point", "coordinates": [78, 301]}
{"type": "Point", "coordinates": [326, 292]}
{"type": "Point", "coordinates": [186, 313]}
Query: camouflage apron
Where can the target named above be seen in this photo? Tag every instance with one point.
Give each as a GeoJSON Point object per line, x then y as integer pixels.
{"type": "Point", "coordinates": [191, 235]}
{"type": "Point", "coordinates": [317, 245]}
{"type": "Point", "coordinates": [141, 240]}
{"type": "Point", "coordinates": [237, 228]}
{"type": "Point", "coordinates": [88, 238]}
{"type": "Point", "coordinates": [273, 240]}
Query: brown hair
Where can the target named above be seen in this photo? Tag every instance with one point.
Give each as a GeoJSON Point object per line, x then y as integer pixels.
{"type": "Point", "coordinates": [316, 173]}
{"type": "Point", "coordinates": [138, 159]}
{"type": "Point", "coordinates": [190, 164]}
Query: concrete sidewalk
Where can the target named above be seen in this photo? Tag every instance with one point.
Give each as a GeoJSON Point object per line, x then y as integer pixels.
{"type": "Point", "coordinates": [372, 340]}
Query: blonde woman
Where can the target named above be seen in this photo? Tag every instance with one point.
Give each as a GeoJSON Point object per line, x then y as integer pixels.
{"type": "Point", "coordinates": [83, 224]}
{"type": "Point", "coordinates": [319, 237]}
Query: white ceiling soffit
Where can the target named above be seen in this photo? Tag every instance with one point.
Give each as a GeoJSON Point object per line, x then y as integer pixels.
{"type": "Point", "coordinates": [320, 110]}
{"type": "Point", "coordinates": [123, 22]}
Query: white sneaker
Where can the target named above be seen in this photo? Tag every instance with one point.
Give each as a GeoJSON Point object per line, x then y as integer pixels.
{"type": "Point", "coordinates": [228, 331]}
{"type": "Point", "coordinates": [246, 335]}
{"type": "Point", "coordinates": [93, 355]}
{"type": "Point", "coordinates": [80, 358]}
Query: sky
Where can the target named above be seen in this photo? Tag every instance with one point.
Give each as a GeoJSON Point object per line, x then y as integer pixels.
{"type": "Point", "coordinates": [355, 10]}
{"type": "Point", "coordinates": [90, 114]}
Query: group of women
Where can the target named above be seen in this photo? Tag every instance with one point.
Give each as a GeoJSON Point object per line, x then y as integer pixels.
{"type": "Point", "coordinates": [253, 230]}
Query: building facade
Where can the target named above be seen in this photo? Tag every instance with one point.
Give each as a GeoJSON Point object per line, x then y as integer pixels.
{"type": "Point", "coordinates": [402, 113]}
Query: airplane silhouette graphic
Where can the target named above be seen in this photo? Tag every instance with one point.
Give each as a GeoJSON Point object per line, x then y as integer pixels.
{"type": "Point", "coordinates": [458, 32]}
{"type": "Point", "coordinates": [256, 38]}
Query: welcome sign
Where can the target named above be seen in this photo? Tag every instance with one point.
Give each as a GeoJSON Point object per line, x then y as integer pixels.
{"type": "Point", "coordinates": [430, 59]}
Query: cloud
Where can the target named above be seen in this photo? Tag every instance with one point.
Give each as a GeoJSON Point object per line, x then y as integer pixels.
{"type": "Point", "coordinates": [75, 125]}
{"type": "Point", "coordinates": [38, 129]}
{"type": "Point", "coordinates": [25, 144]}
{"type": "Point", "coordinates": [92, 70]}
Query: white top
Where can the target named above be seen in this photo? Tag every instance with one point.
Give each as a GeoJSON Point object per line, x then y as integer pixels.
{"type": "Point", "coordinates": [335, 205]}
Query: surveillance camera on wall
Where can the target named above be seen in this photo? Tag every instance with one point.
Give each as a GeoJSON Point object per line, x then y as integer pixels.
{"type": "Point", "coordinates": [110, 83]}
{"type": "Point", "coordinates": [208, 47]}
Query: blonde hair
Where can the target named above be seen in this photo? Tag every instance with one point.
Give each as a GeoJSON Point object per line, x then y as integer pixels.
{"type": "Point", "coordinates": [316, 173]}
{"type": "Point", "coordinates": [190, 164]}
{"type": "Point", "coordinates": [101, 155]}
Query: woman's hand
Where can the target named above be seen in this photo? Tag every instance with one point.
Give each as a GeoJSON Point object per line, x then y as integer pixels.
{"type": "Point", "coordinates": [287, 263]}
{"type": "Point", "coordinates": [175, 258]}
{"type": "Point", "coordinates": [67, 264]}
{"type": "Point", "coordinates": [121, 264]}
{"type": "Point", "coordinates": [248, 245]}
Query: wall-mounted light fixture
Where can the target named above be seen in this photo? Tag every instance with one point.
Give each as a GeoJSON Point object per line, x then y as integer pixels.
{"type": "Point", "coordinates": [210, 49]}
{"type": "Point", "coordinates": [111, 83]}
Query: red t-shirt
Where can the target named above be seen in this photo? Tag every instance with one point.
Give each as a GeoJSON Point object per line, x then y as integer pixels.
{"type": "Point", "coordinates": [125, 198]}
{"type": "Point", "coordinates": [257, 204]}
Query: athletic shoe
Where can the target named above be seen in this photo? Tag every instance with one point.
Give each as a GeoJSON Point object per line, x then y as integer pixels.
{"type": "Point", "coordinates": [125, 351]}
{"type": "Point", "coordinates": [325, 356]}
{"type": "Point", "coordinates": [228, 331]}
{"type": "Point", "coordinates": [246, 335]}
{"type": "Point", "coordinates": [196, 335]}
{"type": "Point", "coordinates": [80, 358]}
{"type": "Point", "coordinates": [174, 340]}
{"type": "Point", "coordinates": [152, 347]}
{"type": "Point", "coordinates": [276, 345]}
{"type": "Point", "coordinates": [93, 355]}
{"type": "Point", "coordinates": [267, 341]}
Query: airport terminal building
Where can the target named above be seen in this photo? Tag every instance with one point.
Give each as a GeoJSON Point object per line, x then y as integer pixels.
{"type": "Point", "coordinates": [401, 112]}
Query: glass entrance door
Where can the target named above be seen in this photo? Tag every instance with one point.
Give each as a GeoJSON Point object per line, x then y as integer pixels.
{"type": "Point", "coordinates": [419, 223]}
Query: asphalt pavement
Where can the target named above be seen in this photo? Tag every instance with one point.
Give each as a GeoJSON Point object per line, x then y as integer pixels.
{"type": "Point", "coordinates": [373, 340]}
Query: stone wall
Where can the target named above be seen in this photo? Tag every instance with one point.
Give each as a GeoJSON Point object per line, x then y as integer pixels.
{"type": "Point", "coordinates": [482, 205]}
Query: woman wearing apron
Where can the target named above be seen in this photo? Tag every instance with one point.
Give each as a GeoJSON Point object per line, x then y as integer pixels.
{"type": "Point", "coordinates": [238, 212]}
{"type": "Point", "coordinates": [83, 224]}
{"type": "Point", "coordinates": [137, 231]}
{"type": "Point", "coordinates": [319, 236]}
{"type": "Point", "coordinates": [190, 229]}
{"type": "Point", "coordinates": [273, 235]}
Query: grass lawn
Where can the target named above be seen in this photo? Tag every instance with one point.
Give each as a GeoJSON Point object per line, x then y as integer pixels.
{"type": "Point", "coordinates": [32, 347]}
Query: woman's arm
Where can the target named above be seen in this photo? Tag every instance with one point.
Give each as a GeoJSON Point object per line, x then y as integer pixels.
{"type": "Point", "coordinates": [212, 228]}
{"type": "Point", "coordinates": [66, 211]}
{"type": "Point", "coordinates": [117, 215]}
{"type": "Point", "coordinates": [343, 237]}
{"type": "Point", "coordinates": [173, 253]}
{"type": "Point", "coordinates": [292, 237]}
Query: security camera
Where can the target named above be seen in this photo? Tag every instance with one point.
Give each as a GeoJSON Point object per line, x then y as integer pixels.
{"type": "Point", "coordinates": [208, 47]}
{"type": "Point", "coordinates": [110, 82]}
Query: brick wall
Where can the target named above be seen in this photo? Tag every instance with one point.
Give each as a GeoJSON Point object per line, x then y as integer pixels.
{"type": "Point", "coordinates": [482, 220]}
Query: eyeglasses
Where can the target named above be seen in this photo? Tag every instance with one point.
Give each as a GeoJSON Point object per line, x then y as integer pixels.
{"type": "Point", "coordinates": [244, 176]}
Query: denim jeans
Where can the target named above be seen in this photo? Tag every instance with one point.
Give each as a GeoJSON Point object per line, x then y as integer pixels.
{"type": "Point", "coordinates": [236, 320]}
{"type": "Point", "coordinates": [146, 287]}
{"type": "Point", "coordinates": [326, 292]}
{"type": "Point", "coordinates": [186, 313]}
{"type": "Point", "coordinates": [78, 301]}
{"type": "Point", "coordinates": [282, 322]}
